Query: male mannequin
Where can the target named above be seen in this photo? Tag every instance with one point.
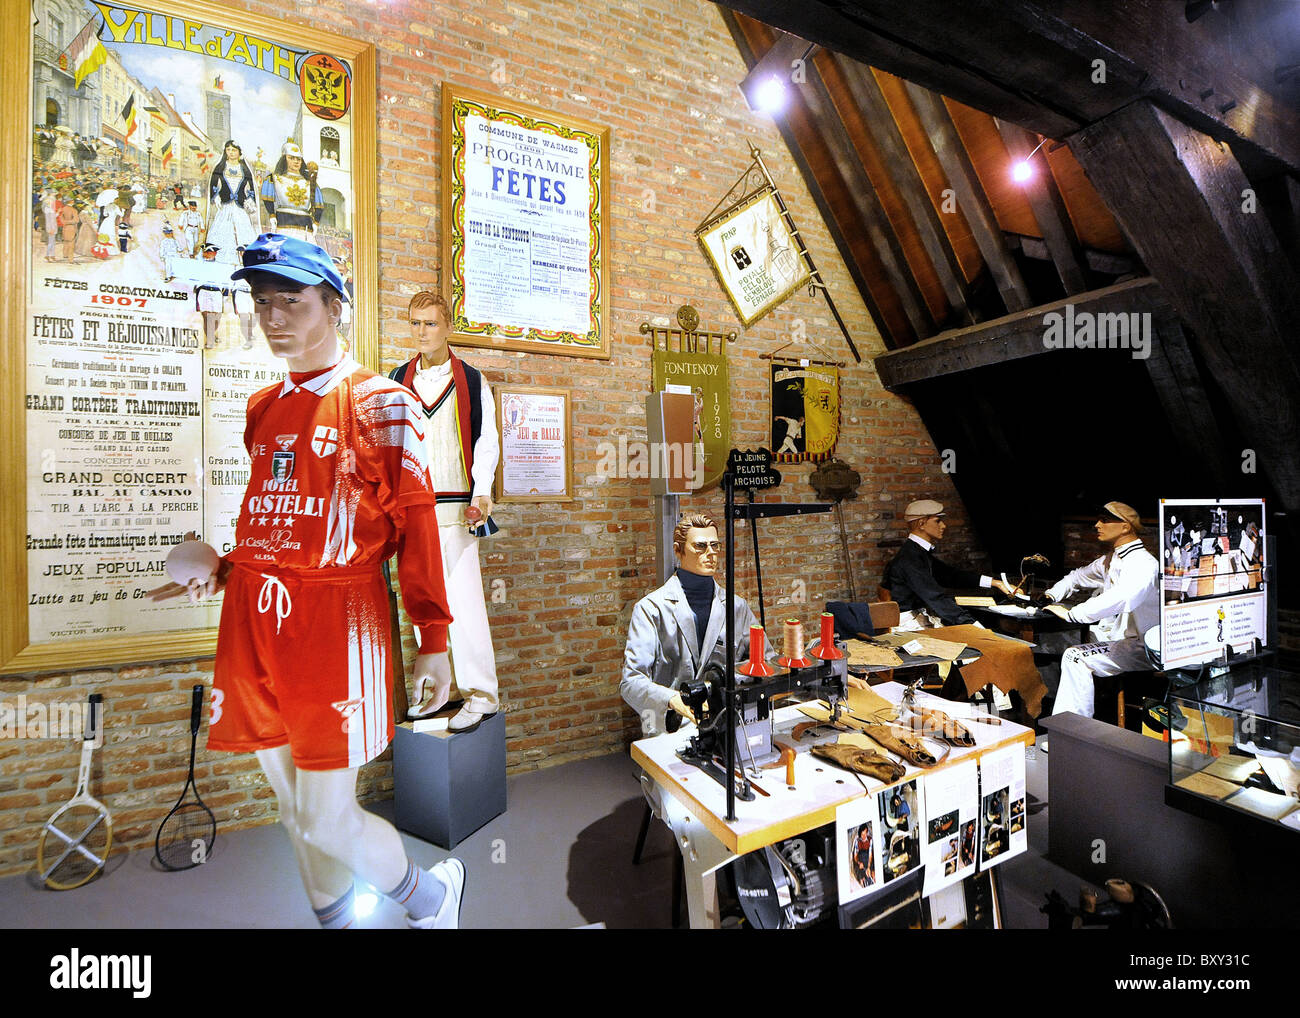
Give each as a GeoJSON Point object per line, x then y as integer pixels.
{"type": "Point", "coordinates": [1126, 605]}
{"type": "Point", "coordinates": [461, 438]}
{"type": "Point", "coordinates": [302, 675]}
{"type": "Point", "coordinates": [664, 645]}
{"type": "Point", "coordinates": [918, 581]}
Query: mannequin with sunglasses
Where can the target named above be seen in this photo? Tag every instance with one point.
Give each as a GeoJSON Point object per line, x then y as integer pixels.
{"type": "Point", "coordinates": [679, 629]}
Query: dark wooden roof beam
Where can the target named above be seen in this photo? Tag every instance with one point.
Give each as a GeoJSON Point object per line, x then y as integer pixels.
{"type": "Point", "coordinates": [902, 170]}
{"type": "Point", "coordinates": [1012, 337]}
{"type": "Point", "coordinates": [971, 199]}
{"type": "Point", "coordinates": [1049, 210]}
{"type": "Point", "coordinates": [1178, 195]}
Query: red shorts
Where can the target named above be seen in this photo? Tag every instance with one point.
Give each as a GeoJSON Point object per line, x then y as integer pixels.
{"type": "Point", "coordinates": [302, 660]}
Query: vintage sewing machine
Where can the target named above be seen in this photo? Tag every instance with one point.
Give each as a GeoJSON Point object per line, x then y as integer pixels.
{"type": "Point", "coordinates": [821, 674]}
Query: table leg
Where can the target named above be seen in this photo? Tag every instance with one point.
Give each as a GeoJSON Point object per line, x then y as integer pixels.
{"type": "Point", "coordinates": [702, 855]}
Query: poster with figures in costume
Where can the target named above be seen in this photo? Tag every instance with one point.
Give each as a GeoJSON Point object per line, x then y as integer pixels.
{"type": "Point", "coordinates": [164, 139]}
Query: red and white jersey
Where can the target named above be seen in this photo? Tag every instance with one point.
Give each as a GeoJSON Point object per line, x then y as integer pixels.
{"type": "Point", "coordinates": [340, 478]}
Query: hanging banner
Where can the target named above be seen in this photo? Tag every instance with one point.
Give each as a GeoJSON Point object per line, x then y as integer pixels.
{"type": "Point", "coordinates": [706, 375]}
{"type": "Point", "coordinates": [805, 411]}
{"type": "Point", "coordinates": [754, 255]}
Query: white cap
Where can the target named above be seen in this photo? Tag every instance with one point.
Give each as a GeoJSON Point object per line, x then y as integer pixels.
{"type": "Point", "coordinates": [922, 508]}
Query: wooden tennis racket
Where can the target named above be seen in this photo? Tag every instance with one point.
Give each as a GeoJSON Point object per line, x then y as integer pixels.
{"type": "Point", "coordinates": [75, 841]}
{"type": "Point", "coordinates": [187, 834]}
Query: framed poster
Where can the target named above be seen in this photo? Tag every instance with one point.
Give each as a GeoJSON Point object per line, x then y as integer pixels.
{"type": "Point", "coordinates": [536, 463]}
{"type": "Point", "coordinates": [524, 232]}
{"type": "Point", "coordinates": [754, 256]}
{"type": "Point", "coordinates": [1213, 570]}
{"type": "Point", "coordinates": [146, 144]}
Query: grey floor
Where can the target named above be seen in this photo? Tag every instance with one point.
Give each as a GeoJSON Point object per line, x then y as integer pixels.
{"type": "Point", "coordinates": [560, 857]}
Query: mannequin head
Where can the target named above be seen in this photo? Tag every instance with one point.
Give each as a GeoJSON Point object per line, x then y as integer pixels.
{"type": "Point", "coordinates": [695, 541]}
{"type": "Point", "coordinates": [430, 320]}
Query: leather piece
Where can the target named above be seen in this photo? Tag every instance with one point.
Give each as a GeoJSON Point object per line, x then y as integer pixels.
{"type": "Point", "coordinates": [861, 761]}
{"type": "Point", "coordinates": [907, 746]}
{"type": "Point", "coordinates": [935, 724]}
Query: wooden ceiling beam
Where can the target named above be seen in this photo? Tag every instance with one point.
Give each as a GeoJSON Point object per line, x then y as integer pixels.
{"type": "Point", "coordinates": [817, 100]}
{"type": "Point", "coordinates": [822, 192]}
{"type": "Point", "coordinates": [971, 199]}
{"type": "Point", "coordinates": [1011, 337]}
{"type": "Point", "coordinates": [902, 170]}
{"type": "Point", "coordinates": [1178, 194]}
{"type": "Point", "coordinates": [833, 26]}
{"type": "Point", "coordinates": [1181, 392]}
{"type": "Point", "coordinates": [1105, 262]}
{"type": "Point", "coordinates": [1035, 62]}
{"type": "Point", "coordinates": [1049, 210]}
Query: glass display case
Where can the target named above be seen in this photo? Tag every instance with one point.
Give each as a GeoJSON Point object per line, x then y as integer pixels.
{"type": "Point", "coordinates": [1234, 745]}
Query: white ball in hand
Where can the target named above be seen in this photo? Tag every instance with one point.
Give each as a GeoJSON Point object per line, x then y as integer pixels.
{"type": "Point", "coordinates": [192, 560]}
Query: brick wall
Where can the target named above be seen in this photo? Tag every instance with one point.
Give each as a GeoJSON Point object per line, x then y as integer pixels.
{"type": "Point", "coordinates": [664, 78]}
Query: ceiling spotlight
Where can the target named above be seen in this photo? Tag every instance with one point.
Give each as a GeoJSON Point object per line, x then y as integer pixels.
{"type": "Point", "coordinates": [770, 96]}
{"type": "Point", "coordinates": [1023, 170]}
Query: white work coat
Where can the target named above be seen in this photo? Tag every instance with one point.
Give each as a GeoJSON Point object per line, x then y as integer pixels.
{"type": "Point", "coordinates": [1127, 602]}
{"type": "Point", "coordinates": [662, 643]}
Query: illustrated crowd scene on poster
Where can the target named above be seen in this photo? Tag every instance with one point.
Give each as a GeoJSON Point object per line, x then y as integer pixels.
{"type": "Point", "coordinates": [161, 147]}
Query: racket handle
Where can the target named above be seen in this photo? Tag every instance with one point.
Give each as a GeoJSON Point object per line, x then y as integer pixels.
{"type": "Point", "coordinates": [196, 708]}
{"type": "Point", "coordinates": [92, 717]}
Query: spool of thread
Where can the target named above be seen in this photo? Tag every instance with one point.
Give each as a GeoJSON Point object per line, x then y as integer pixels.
{"type": "Point", "coordinates": [757, 663]}
{"type": "Point", "coordinates": [793, 657]}
{"type": "Point", "coordinates": [826, 649]}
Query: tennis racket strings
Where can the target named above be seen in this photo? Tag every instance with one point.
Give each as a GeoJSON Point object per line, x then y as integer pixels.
{"type": "Point", "coordinates": [76, 840]}
{"type": "Point", "coordinates": [187, 834]}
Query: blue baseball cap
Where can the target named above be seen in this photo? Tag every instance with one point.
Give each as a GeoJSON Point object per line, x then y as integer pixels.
{"type": "Point", "coordinates": [297, 260]}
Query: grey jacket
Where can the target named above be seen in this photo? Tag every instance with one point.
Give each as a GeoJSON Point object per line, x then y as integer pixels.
{"type": "Point", "coordinates": [661, 648]}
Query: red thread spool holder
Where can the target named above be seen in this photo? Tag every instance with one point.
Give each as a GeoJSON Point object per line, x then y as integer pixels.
{"type": "Point", "coordinates": [825, 649]}
{"type": "Point", "coordinates": [757, 664]}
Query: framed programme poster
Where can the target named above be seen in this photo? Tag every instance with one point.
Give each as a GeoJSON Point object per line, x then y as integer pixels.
{"type": "Point", "coordinates": [755, 256]}
{"type": "Point", "coordinates": [536, 463]}
{"type": "Point", "coordinates": [523, 226]}
{"type": "Point", "coordinates": [145, 145]}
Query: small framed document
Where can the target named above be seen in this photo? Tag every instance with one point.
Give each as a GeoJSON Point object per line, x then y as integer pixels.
{"type": "Point", "coordinates": [536, 463]}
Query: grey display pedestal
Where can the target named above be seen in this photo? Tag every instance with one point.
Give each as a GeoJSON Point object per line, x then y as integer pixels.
{"type": "Point", "coordinates": [446, 785]}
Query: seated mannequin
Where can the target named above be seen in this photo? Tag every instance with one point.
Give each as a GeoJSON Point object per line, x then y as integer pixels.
{"type": "Point", "coordinates": [679, 629]}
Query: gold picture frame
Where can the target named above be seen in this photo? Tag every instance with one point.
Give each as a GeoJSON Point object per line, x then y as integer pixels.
{"type": "Point", "coordinates": [533, 433]}
{"type": "Point", "coordinates": [504, 176]}
{"type": "Point", "coordinates": [324, 86]}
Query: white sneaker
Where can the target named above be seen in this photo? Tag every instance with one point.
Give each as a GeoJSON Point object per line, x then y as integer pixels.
{"type": "Point", "coordinates": [451, 874]}
{"type": "Point", "coordinates": [466, 718]}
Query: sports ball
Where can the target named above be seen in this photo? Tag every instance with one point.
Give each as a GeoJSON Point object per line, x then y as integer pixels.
{"type": "Point", "coordinates": [192, 560]}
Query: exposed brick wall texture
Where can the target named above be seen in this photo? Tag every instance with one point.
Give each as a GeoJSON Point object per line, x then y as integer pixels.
{"type": "Point", "coordinates": [664, 78]}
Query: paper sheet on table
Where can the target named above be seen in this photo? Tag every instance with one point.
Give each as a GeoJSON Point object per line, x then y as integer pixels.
{"type": "Point", "coordinates": [1013, 610]}
{"type": "Point", "coordinates": [863, 653]}
{"type": "Point", "coordinates": [1208, 785]}
{"type": "Point", "coordinates": [1233, 768]}
{"type": "Point", "coordinates": [945, 650]}
{"type": "Point", "coordinates": [973, 601]}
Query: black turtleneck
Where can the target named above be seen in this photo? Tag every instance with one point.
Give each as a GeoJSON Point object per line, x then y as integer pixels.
{"type": "Point", "coordinates": [699, 595]}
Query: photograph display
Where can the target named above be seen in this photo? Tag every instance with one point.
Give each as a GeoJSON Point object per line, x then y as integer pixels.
{"type": "Point", "coordinates": [1002, 833]}
{"type": "Point", "coordinates": [952, 806]}
{"type": "Point", "coordinates": [1212, 578]}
